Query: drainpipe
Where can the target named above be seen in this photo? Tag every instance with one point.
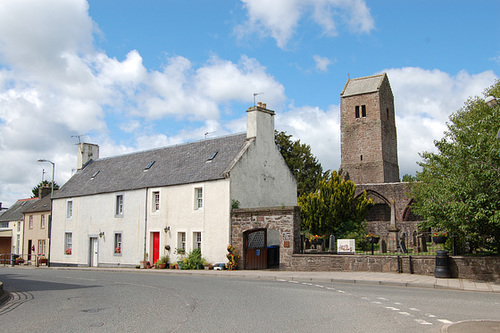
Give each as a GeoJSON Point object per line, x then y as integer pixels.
{"type": "Point", "coordinates": [145, 225]}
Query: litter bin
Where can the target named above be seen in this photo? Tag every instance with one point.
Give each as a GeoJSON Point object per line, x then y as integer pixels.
{"type": "Point", "coordinates": [13, 261]}
{"type": "Point", "coordinates": [442, 269]}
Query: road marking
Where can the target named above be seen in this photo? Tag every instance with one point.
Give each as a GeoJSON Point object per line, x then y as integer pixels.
{"type": "Point", "coordinates": [397, 303]}
{"type": "Point", "coordinates": [422, 322]}
{"type": "Point", "coordinates": [430, 315]}
{"type": "Point", "coordinates": [392, 308]}
{"type": "Point", "coordinates": [377, 302]}
{"type": "Point", "coordinates": [306, 284]}
{"type": "Point", "coordinates": [405, 313]}
{"type": "Point", "coordinates": [280, 280]}
{"type": "Point", "coordinates": [293, 281]}
{"type": "Point", "coordinates": [330, 288]}
{"type": "Point", "coordinates": [340, 291]}
{"type": "Point", "coordinates": [384, 299]}
{"type": "Point", "coordinates": [445, 321]}
{"type": "Point", "coordinates": [317, 285]}
{"type": "Point", "coordinates": [414, 309]}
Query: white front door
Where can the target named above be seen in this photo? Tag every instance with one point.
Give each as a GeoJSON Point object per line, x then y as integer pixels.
{"type": "Point", "coordinates": [94, 251]}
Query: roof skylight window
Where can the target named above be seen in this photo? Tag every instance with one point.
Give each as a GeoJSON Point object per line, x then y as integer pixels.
{"type": "Point", "coordinates": [150, 164]}
{"type": "Point", "coordinates": [212, 156]}
{"type": "Point", "coordinates": [95, 174]}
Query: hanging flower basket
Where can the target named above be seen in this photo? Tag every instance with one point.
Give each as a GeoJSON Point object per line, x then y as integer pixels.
{"type": "Point", "coordinates": [372, 238]}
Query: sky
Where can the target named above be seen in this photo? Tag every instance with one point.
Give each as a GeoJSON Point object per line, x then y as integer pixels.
{"type": "Point", "coordinates": [134, 75]}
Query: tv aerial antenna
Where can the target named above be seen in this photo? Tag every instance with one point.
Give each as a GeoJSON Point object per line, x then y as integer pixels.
{"type": "Point", "coordinates": [79, 137]}
{"type": "Point", "coordinates": [255, 94]}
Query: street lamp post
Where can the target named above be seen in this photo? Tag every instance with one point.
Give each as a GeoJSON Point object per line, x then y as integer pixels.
{"type": "Point", "coordinates": [51, 198]}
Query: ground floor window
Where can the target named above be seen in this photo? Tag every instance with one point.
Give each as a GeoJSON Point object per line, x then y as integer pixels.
{"type": "Point", "coordinates": [197, 240]}
{"type": "Point", "coordinates": [118, 243]}
{"type": "Point", "coordinates": [181, 241]}
{"type": "Point", "coordinates": [68, 243]}
{"type": "Point", "coordinates": [41, 246]}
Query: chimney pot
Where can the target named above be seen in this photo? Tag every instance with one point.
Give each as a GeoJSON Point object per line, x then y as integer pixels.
{"type": "Point", "coordinates": [264, 105]}
{"type": "Point", "coordinates": [259, 104]}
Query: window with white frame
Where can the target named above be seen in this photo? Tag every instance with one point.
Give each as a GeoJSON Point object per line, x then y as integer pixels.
{"type": "Point", "coordinates": [118, 243]}
{"type": "Point", "coordinates": [68, 243]}
{"type": "Point", "coordinates": [69, 209]}
{"type": "Point", "coordinates": [156, 201]}
{"type": "Point", "coordinates": [41, 246]}
{"type": "Point", "coordinates": [18, 247]}
{"type": "Point", "coordinates": [197, 240]}
{"type": "Point", "coordinates": [30, 222]}
{"type": "Point", "coordinates": [181, 240]}
{"type": "Point", "coordinates": [18, 226]}
{"type": "Point", "coordinates": [119, 205]}
{"type": "Point", "coordinates": [198, 197]}
{"type": "Point", "coordinates": [42, 222]}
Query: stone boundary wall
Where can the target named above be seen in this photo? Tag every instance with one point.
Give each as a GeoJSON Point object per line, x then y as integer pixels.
{"type": "Point", "coordinates": [474, 268]}
{"type": "Point", "coordinates": [286, 220]}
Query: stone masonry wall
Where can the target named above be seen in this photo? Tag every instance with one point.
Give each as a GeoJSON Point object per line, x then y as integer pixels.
{"type": "Point", "coordinates": [474, 268]}
{"type": "Point", "coordinates": [286, 220]}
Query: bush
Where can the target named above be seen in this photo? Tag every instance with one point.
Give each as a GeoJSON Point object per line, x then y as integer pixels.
{"type": "Point", "coordinates": [193, 260]}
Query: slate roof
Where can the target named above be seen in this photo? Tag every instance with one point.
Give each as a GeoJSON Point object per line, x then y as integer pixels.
{"type": "Point", "coordinates": [174, 165]}
{"type": "Point", "coordinates": [363, 85]}
{"type": "Point", "coordinates": [42, 205]}
{"type": "Point", "coordinates": [15, 212]}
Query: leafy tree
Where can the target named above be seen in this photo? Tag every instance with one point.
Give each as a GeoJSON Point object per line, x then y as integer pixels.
{"type": "Point", "coordinates": [34, 190]}
{"type": "Point", "coordinates": [409, 178]}
{"type": "Point", "coordinates": [303, 164]}
{"type": "Point", "coordinates": [458, 189]}
{"type": "Point", "coordinates": [333, 209]}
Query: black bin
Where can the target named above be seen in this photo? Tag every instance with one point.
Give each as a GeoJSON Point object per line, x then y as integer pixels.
{"type": "Point", "coordinates": [442, 269]}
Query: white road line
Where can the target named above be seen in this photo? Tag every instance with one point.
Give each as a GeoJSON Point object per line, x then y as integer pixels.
{"type": "Point", "coordinates": [280, 280]}
{"type": "Point", "coordinates": [317, 285]}
{"type": "Point", "coordinates": [293, 281]}
{"type": "Point", "coordinates": [414, 309]}
{"type": "Point", "coordinates": [422, 322]}
{"type": "Point", "coordinates": [340, 291]}
{"type": "Point", "coordinates": [430, 315]}
{"type": "Point", "coordinates": [405, 313]}
{"type": "Point", "coordinates": [384, 299]}
{"type": "Point", "coordinates": [397, 303]}
{"type": "Point", "coordinates": [445, 321]}
{"type": "Point", "coordinates": [392, 308]}
{"type": "Point", "coordinates": [330, 288]}
{"type": "Point", "coordinates": [377, 302]}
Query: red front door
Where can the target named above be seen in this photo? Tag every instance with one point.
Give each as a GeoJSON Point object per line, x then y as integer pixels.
{"type": "Point", "coordinates": [156, 246]}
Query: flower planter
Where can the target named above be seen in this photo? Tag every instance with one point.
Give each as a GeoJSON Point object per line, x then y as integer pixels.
{"type": "Point", "coordinates": [373, 240]}
{"type": "Point", "coordinates": [439, 239]}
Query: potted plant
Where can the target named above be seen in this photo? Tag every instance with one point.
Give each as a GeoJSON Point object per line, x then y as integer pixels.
{"type": "Point", "coordinates": [372, 238]}
{"type": "Point", "coordinates": [163, 261]}
{"type": "Point", "coordinates": [43, 260]}
{"type": "Point", "coordinates": [68, 251]}
{"type": "Point", "coordinates": [19, 260]}
{"type": "Point", "coordinates": [439, 237]}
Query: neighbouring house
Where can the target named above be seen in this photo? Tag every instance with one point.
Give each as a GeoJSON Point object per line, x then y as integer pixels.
{"type": "Point", "coordinates": [36, 226]}
{"type": "Point", "coordinates": [118, 211]}
{"type": "Point", "coordinates": [11, 229]}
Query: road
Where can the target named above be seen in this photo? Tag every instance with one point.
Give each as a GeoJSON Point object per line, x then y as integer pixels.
{"type": "Point", "coordinates": [49, 300]}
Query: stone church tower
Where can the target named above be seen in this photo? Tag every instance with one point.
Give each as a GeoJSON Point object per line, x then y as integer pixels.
{"type": "Point", "coordinates": [368, 131]}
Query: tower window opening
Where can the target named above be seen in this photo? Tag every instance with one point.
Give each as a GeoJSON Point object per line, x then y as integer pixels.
{"type": "Point", "coordinates": [361, 157]}
{"type": "Point", "coordinates": [357, 111]}
{"type": "Point", "coordinates": [363, 111]}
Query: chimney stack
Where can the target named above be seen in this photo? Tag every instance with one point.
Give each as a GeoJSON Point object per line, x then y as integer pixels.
{"type": "Point", "coordinates": [86, 153]}
{"type": "Point", "coordinates": [260, 123]}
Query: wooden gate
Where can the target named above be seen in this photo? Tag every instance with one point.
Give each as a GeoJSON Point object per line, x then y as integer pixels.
{"type": "Point", "coordinates": [255, 248]}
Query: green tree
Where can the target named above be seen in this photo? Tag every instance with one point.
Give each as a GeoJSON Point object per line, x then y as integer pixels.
{"type": "Point", "coordinates": [34, 190]}
{"type": "Point", "coordinates": [408, 178]}
{"type": "Point", "coordinates": [458, 189]}
{"type": "Point", "coordinates": [303, 164]}
{"type": "Point", "coordinates": [333, 209]}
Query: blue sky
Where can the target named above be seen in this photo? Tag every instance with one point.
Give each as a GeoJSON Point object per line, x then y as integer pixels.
{"type": "Point", "coordinates": [133, 75]}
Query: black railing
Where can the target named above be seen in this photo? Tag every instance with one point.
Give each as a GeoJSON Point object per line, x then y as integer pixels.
{"type": "Point", "coordinates": [12, 259]}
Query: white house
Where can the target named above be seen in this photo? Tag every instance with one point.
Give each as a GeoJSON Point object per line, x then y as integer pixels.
{"type": "Point", "coordinates": [116, 211]}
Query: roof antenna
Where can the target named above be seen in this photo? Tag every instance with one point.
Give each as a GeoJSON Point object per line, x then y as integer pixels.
{"type": "Point", "coordinates": [79, 137]}
{"type": "Point", "coordinates": [207, 133]}
{"type": "Point", "coordinates": [255, 94]}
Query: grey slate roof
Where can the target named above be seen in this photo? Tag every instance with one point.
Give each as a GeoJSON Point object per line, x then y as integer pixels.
{"type": "Point", "coordinates": [15, 212]}
{"type": "Point", "coordinates": [42, 205]}
{"type": "Point", "coordinates": [174, 165]}
{"type": "Point", "coordinates": [363, 85]}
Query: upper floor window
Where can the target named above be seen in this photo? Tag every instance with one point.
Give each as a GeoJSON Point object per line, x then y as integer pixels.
{"type": "Point", "coordinates": [156, 201]}
{"type": "Point", "coordinates": [69, 209]}
{"type": "Point", "coordinates": [4, 225]}
{"type": "Point", "coordinates": [198, 196]}
{"type": "Point", "coordinates": [31, 222]}
{"type": "Point", "coordinates": [356, 108]}
{"type": "Point", "coordinates": [363, 111]}
{"type": "Point", "coordinates": [18, 226]}
{"type": "Point", "coordinates": [360, 114]}
{"type": "Point", "coordinates": [119, 205]}
{"type": "Point", "coordinates": [42, 221]}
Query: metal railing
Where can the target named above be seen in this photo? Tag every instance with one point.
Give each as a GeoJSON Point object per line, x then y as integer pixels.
{"type": "Point", "coordinates": [13, 259]}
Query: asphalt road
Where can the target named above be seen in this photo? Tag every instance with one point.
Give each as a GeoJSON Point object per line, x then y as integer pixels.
{"type": "Point", "coordinates": [47, 300]}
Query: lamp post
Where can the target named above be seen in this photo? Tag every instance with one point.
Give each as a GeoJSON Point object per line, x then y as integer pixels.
{"type": "Point", "coordinates": [51, 198]}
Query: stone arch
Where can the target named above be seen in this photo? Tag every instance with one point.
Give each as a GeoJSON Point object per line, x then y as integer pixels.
{"type": "Point", "coordinates": [381, 211]}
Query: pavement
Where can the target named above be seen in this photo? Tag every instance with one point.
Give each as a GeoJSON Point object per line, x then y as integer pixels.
{"type": "Point", "coordinates": [371, 278]}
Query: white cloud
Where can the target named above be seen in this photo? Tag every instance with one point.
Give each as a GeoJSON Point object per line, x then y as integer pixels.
{"type": "Point", "coordinates": [322, 63]}
{"type": "Point", "coordinates": [280, 18]}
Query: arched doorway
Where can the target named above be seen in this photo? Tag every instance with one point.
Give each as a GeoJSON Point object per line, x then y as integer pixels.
{"type": "Point", "coordinates": [261, 248]}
